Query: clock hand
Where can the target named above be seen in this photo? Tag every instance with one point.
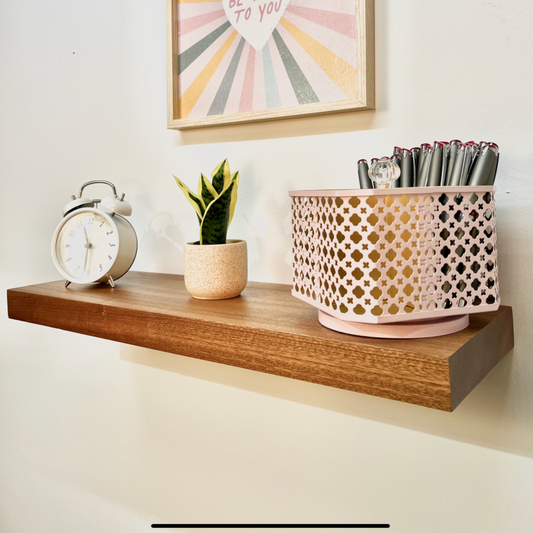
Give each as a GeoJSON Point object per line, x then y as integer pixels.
{"type": "Point", "coordinates": [87, 247]}
{"type": "Point", "coordinates": [86, 257]}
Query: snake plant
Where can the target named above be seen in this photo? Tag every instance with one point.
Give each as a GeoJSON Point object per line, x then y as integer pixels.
{"type": "Point", "coordinates": [215, 203]}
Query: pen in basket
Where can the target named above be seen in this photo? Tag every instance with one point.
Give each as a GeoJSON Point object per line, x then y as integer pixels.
{"type": "Point", "coordinates": [484, 170]}
{"type": "Point", "coordinates": [492, 175]}
{"type": "Point", "coordinates": [426, 154]}
{"type": "Point", "coordinates": [435, 168]}
{"type": "Point", "coordinates": [421, 158]}
{"type": "Point", "coordinates": [364, 180]}
{"type": "Point", "coordinates": [406, 168]}
{"type": "Point", "coordinates": [458, 166]}
{"type": "Point", "coordinates": [396, 159]}
{"type": "Point", "coordinates": [452, 164]}
{"type": "Point", "coordinates": [445, 156]}
{"type": "Point", "coordinates": [416, 157]}
{"type": "Point", "coordinates": [454, 148]}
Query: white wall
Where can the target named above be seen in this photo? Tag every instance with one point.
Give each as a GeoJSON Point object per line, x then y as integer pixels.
{"type": "Point", "coordinates": [98, 437]}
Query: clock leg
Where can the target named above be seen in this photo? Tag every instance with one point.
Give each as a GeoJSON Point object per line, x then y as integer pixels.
{"type": "Point", "coordinates": [67, 283]}
{"type": "Point", "coordinates": [111, 282]}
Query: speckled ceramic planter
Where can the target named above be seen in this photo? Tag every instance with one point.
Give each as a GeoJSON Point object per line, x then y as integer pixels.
{"type": "Point", "coordinates": [216, 271]}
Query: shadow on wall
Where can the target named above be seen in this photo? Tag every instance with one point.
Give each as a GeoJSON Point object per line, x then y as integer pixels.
{"type": "Point", "coordinates": [267, 242]}
{"type": "Point", "coordinates": [162, 240]}
{"type": "Point", "coordinates": [495, 415]}
{"type": "Point", "coordinates": [297, 127]}
{"type": "Point", "coordinates": [479, 420]}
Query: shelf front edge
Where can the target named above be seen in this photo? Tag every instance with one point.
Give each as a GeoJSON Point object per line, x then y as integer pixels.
{"type": "Point", "coordinates": [388, 369]}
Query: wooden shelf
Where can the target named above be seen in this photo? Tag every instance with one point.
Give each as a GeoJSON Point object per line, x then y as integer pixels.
{"type": "Point", "coordinates": [268, 330]}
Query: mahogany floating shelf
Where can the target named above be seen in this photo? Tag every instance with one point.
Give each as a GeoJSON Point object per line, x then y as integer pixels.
{"type": "Point", "coordinates": [268, 330]}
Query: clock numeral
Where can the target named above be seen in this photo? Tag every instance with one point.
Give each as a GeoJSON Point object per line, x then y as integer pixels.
{"type": "Point", "coordinates": [109, 257]}
{"type": "Point", "coordinates": [77, 268]}
{"type": "Point", "coordinates": [110, 244]}
{"type": "Point", "coordinates": [67, 245]}
{"type": "Point", "coordinates": [109, 233]}
{"type": "Point", "coordinates": [80, 225]}
{"type": "Point", "coordinates": [91, 220]}
{"type": "Point", "coordinates": [68, 259]}
{"type": "Point", "coordinates": [103, 222]}
{"type": "Point", "coordinates": [71, 233]}
{"type": "Point", "coordinates": [101, 268]}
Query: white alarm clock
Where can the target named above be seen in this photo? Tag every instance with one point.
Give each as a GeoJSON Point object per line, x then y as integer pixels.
{"type": "Point", "coordinates": [94, 243]}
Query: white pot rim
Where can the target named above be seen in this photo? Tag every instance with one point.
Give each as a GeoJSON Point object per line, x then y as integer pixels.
{"type": "Point", "coordinates": [229, 242]}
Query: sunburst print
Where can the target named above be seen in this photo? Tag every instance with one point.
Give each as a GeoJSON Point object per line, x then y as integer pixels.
{"type": "Point", "coordinates": [237, 56]}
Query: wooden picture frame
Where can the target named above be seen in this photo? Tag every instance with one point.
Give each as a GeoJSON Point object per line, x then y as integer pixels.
{"type": "Point", "coordinates": [223, 76]}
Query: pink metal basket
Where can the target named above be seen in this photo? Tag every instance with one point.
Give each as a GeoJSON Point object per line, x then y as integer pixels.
{"type": "Point", "coordinates": [395, 255]}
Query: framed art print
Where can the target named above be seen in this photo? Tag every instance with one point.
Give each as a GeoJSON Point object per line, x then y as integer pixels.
{"type": "Point", "coordinates": [234, 61]}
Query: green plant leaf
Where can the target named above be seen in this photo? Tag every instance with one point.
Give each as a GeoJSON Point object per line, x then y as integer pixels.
{"type": "Point", "coordinates": [214, 226]}
{"type": "Point", "coordinates": [194, 200]}
{"type": "Point", "coordinates": [235, 180]}
{"type": "Point", "coordinates": [221, 176]}
{"type": "Point", "coordinates": [206, 191]}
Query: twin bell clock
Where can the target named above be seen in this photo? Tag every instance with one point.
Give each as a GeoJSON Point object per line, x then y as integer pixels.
{"type": "Point", "coordinates": [94, 243]}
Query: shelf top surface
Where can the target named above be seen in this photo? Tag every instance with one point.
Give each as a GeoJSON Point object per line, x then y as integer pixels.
{"type": "Point", "coordinates": [262, 306]}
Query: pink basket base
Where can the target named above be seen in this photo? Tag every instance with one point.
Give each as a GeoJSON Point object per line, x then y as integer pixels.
{"type": "Point", "coordinates": [414, 329]}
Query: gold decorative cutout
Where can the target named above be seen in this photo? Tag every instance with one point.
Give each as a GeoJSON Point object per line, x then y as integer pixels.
{"type": "Point", "coordinates": [392, 255]}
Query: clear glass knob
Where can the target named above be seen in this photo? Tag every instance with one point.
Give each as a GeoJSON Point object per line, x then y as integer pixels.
{"type": "Point", "coordinates": [384, 172]}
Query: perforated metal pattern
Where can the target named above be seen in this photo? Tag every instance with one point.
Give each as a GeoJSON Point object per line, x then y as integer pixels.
{"type": "Point", "coordinates": [395, 255]}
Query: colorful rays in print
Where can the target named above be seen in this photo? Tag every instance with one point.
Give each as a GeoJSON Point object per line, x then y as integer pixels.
{"type": "Point", "coordinates": [236, 56]}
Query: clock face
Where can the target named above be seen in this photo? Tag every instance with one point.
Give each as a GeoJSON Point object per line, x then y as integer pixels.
{"type": "Point", "coordinates": [86, 246]}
